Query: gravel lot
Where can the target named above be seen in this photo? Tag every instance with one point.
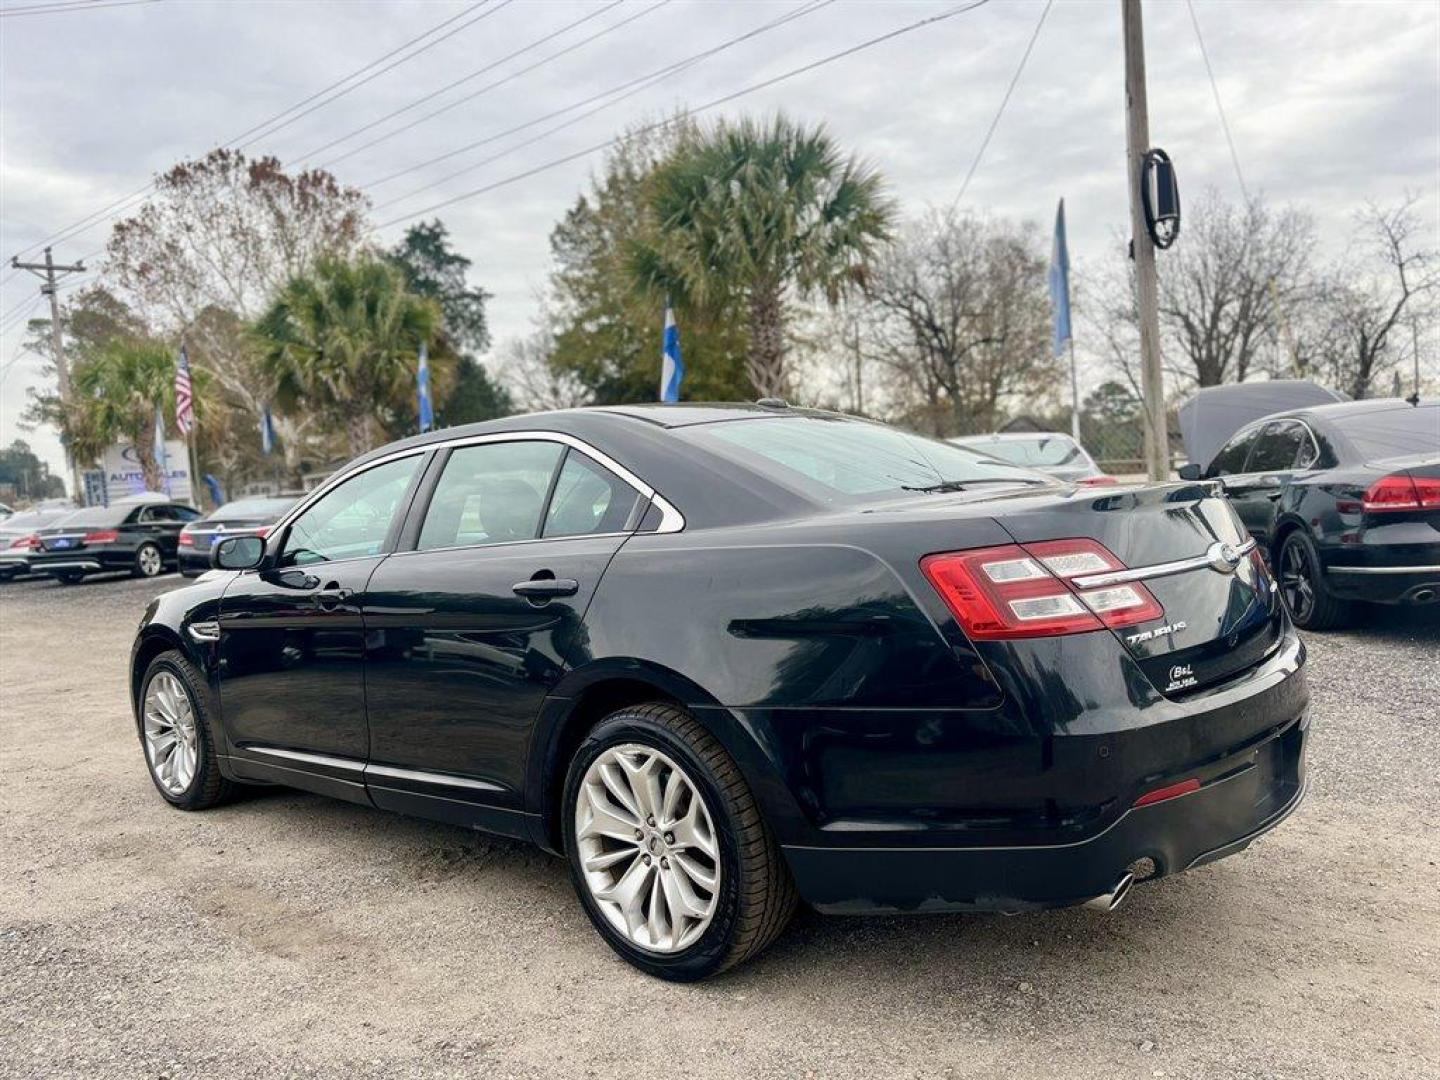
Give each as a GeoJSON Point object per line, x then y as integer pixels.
{"type": "Point", "coordinates": [290, 935]}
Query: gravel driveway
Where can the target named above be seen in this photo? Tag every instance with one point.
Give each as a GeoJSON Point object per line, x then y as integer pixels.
{"type": "Point", "coordinates": [290, 935]}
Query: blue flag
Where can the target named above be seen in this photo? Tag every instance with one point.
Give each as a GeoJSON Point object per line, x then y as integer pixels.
{"type": "Point", "coordinates": [672, 368]}
{"type": "Point", "coordinates": [267, 432]}
{"type": "Point", "coordinates": [1060, 283]}
{"type": "Point", "coordinates": [422, 386]}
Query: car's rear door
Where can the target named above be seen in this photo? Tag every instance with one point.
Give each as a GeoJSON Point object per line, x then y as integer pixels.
{"type": "Point", "coordinates": [470, 628]}
{"type": "Point", "coordinates": [292, 640]}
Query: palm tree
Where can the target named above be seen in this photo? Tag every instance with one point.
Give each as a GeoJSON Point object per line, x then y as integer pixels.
{"type": "Point", "coordinates": [117, 389]}
{"type": "Point", "coordinates": [751, 210]}
{"type": "Point", "coordinates": [343, 341]}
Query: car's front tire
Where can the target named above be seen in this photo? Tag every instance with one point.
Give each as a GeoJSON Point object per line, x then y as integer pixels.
{"type": "Point", "coordinates": [667, 848]}
{"type": "Point", "coordinates": [1303, 587]}
{"type": "Point", "coordinates": [177, 736]}
{"type": "Point", "coordinates": [149, 561]}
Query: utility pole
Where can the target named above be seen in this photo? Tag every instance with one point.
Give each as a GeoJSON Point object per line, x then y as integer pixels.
{"type": "Point", "coordinates": [1147, 288]}
{"type": "Point", "coordinates": [51, 275]}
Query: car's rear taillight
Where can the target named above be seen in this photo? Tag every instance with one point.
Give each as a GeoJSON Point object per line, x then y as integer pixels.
{"type": "Point", "coordinates": [187, 538]}
{"type": "Point", "coordinates": [1401, 491]}
{"type": "Point", "coordinates": [31, 541]}
{"type": "Point", "coordinates": [103, 536]}
{"type": "Point", "coordinates": [1021, 591]}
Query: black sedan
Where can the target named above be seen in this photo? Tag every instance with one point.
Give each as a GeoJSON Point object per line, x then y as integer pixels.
{"type": "Point", "coordinates": [1344, 500]}
{"type": "Point", "coordinates": [724, 658]}
{"type": "Point", "coordinates": [133, 535]}
{"type": "Point", "coordinates": [240, 517]}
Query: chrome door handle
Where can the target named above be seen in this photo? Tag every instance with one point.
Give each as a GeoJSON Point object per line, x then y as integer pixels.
{"type": "Point", "coordinates": [545, 588]}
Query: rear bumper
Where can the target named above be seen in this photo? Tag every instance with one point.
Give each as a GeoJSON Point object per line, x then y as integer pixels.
{"type": "Point", "coordinates": [1241, 797]}
{"type": "Point", "coordinates": [1404, 584]}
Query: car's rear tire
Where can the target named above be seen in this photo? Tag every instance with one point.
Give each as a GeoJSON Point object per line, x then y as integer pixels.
{"type": "Point", "coordinates": [715, 889]}
{"type": "Point", "coordinates": [177, 736]}
{"type": "Point", "coordinates": [1303, 588]}
{"type": "Point", "coordinates": [149, 561]}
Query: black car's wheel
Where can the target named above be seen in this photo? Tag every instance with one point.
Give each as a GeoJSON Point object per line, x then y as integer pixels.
{"type": "Point", "coordinates": [177, 736]}
{"type": "Point", "coordinates": [149, 561]}
{"type": "Point", "coordinates": [667, 848]}
{"type": "Point", "coordinates": [1302, 586]}
{"type": "Point", "coordinates": [70, 577]}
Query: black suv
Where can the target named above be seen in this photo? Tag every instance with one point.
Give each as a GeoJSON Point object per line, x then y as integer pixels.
{"type": "Point", "coordinates": [137, 536]}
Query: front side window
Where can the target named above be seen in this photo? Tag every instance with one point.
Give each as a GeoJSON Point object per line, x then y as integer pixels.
{"type": "Point", "coordinates": [1231, 459]}
{"type": "Point", "coordinates": [588, 499]}
{"type": "Point", "coordinates": [492, 493]}
{"type": "Point", "coordinates": [352, 520]}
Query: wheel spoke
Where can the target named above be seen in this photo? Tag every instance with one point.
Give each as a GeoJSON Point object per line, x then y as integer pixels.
{"type": "Point", "coordinates": [706, 879]}
{"type": "Point", "coordinates": [603, 821]}
{"type": "Point", "coordinates": [618, 784]}
{"type": "Point", "coordinates": [693, 830]}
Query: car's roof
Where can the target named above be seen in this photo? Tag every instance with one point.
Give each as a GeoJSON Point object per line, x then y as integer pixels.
{"type": "Point", "coordinates": [1353, 408]}
{"type": "Point", "coordinates": [1011, 436]}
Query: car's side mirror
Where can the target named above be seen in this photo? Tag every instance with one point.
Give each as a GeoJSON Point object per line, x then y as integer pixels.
{"type": "Point", "coordinates": [1191, 471]}
{"type": "Point", "coordinates": [238, 553]}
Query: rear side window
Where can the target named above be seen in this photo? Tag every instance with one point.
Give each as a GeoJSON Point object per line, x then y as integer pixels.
{"type": "Point", "coordinates": [350, 521]}
{"type": "Point", "coordinates": [588, 499]}
{"type": "Point", "coordinates": [492, 493]}
{"type": "Point", "coordinates": [1231, 459]}
{"type": "Point", "coordinates": [1277, 448]}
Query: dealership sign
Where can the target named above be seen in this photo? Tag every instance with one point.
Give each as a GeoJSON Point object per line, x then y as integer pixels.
{"type": "Point", "coordinates": [124, 476]}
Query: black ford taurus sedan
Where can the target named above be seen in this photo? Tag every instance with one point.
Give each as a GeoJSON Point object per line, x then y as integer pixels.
{"type": "Point", "coordinates": [1344, 500]}
{"type": "Point", "coordinates": [727, 657]}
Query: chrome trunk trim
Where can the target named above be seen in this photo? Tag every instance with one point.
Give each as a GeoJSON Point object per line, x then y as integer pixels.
{"type": "Point", "coordinates": [1165, 569]}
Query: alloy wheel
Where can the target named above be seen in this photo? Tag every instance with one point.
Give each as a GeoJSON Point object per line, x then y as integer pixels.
{"type": "Point", "coordinates": [149, 560]}
{"type": "Point", "coordinates": [648, 847]}
{"type": "Point", "coordinates": [172, 746]}
{"type": "Point", "coordinates": [1296, 585]}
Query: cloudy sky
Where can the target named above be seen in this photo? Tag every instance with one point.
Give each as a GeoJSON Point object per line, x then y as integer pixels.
{"type": "Point", "coordinates": [1330, 103]}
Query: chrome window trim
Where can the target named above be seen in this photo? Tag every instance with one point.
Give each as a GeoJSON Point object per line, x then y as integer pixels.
{"type": "Point", "coordinates": [671, 520]}
{"type": "Point", "coordinates": [426, 777]}
{"type": "Point", "coordinates": [1165, 569]}
{"type": "Point", "coordinates": [503, 544]}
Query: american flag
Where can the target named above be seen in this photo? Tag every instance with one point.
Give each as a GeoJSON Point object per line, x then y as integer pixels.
{"type": "Point", "coordinates": [184, 396]}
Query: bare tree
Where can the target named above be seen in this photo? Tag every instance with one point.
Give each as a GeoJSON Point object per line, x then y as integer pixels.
{"type": "Point", "coordinates": [218, 239]}
{"type": "Point", "coordinates": [533, 380]}
{"type": "Point", "coordinates": [960, 320]}
{"type": "Point", "coordinates": [1389, 277]}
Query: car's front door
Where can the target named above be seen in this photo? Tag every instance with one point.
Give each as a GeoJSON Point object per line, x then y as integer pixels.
{"type": "Point", "coordinates": [470, 628]}
{"type": "Point", "coordinates": [292, 640]}
{"type": "Point", "coordinates": [1257, 492]}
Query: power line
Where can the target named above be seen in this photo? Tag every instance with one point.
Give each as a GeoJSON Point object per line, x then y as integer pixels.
{"type": "Point", "coordinates": [1004, 101]}
{"type": "Point", "coordinates": [475, 74]}
{"type": "Point", "coordinates": [66, 9]}
{"type": "Point", "coordinates": [94, 218]}
{"type": "Point", "coordinates": [632, 86]}
{"type": "Point", "coordinates": [1219, 106]}
{"type": "Point", "coordinates": [502, 5]}
{"type": "Point", "coordinates": [714, 103]}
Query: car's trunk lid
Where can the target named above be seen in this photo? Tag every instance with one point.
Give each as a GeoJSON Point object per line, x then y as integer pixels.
{"type": "Point", "coordinates": [60, 539]}
{"type": "Point", "coordinates": [1221, 615]}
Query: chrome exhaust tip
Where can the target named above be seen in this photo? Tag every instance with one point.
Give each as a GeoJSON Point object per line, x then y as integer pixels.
{"type": "Point", "coordinates": [1115, 897]}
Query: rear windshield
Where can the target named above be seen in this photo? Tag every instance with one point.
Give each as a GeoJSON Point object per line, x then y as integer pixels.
{"type": "Point", "coordinates": [1394, 432]}
{"type": "Point", "coordinates": [99, 515]}
{"type": "Point", "coordinates": [255, 508]}
{"type": "Point", "coordinates": [1043, 451]}
{"type": "Point", "coordinates": [839, 461]}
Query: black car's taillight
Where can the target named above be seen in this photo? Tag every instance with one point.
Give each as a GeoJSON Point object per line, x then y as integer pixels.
{"type": "Point", "coordinates": [1022, 591]}
{"type": "Point", "coordinates": [1401, 491]}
